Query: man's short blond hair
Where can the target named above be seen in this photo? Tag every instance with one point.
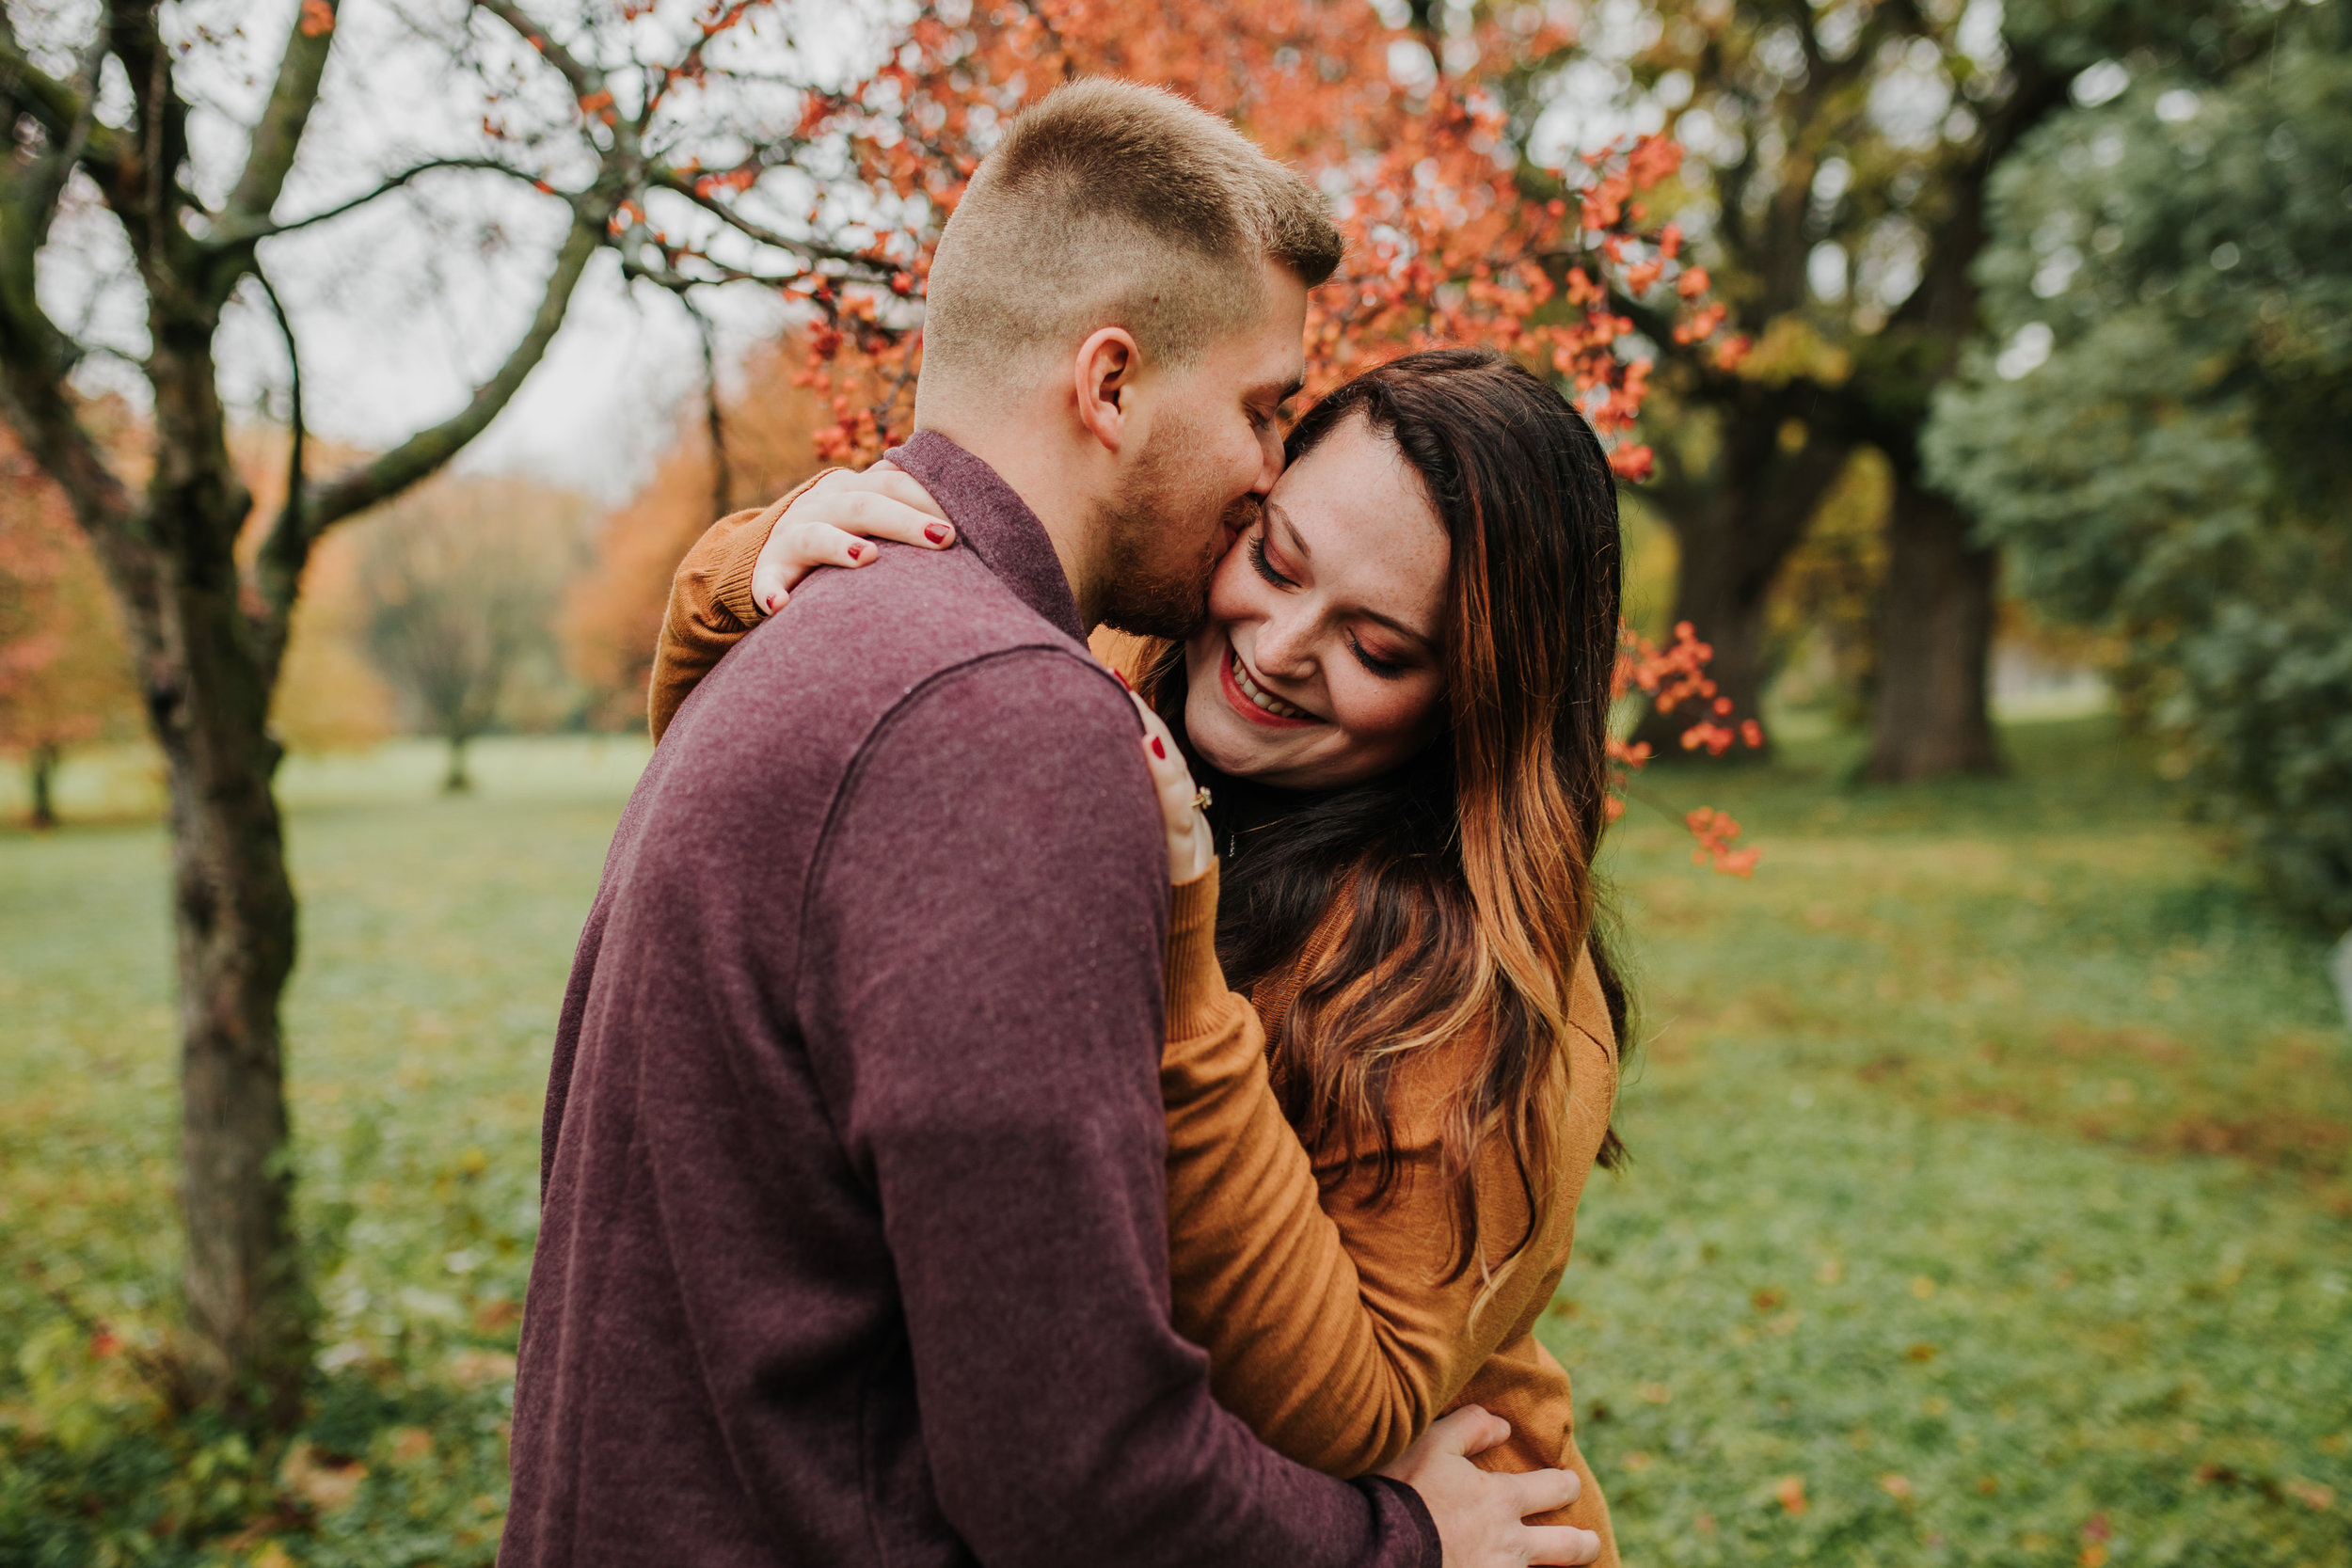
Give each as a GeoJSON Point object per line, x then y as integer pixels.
{"type": "Point", "coordinates": [1110, 204]}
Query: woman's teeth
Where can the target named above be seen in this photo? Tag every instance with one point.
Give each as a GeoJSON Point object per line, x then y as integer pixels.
{"type": "Point", "coordinates": [1265, 699]}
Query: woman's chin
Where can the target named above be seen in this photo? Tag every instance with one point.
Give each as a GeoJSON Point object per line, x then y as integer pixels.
{"type": "Point", "coordinates": [1230, 753]}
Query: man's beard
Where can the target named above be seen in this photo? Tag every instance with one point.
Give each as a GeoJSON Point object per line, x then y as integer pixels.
{"type": "Point", "coordinates": [1144, 593]}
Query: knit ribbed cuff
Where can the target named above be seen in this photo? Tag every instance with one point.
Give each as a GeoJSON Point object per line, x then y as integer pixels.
{"type": "Point", "coordinates": [1197, 996]}
{"type": "Point", "coordinates": [732, 584]}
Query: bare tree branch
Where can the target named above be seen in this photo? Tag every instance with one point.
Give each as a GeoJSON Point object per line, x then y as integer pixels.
{"type": "Point", "coordinates": [36, 357]}
{"type": "Point", "coordinates": [57, 106]}
{"type": "Point", "coordinates": [287, 550]}
{"type": "Point", "coordinates": [689, 63]}
{"type": "Point", "coordinates": [678, 183]}
{"type": "Point", "coordinates": [237, 230]}
{"type": "Point", "coordinates": [145, 193]}
{"type": "Point", "coordinates": [721, 481]}
{"type": "Point", "coordinates": [277, 136]}
{"type": "Point", "coordinates": [586, 80]}
{"type": "Point", "coordinates": [427, 450]}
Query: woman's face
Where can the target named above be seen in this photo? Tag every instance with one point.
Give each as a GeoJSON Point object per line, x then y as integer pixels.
{"type": "Point", "coordinates": [1320, 662]}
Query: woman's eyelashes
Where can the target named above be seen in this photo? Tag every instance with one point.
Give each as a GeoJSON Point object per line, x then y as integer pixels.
{"type": "Point", "coordinates": [1387, 669]}
{"type": "Point", "coordinates": [1265, 567]}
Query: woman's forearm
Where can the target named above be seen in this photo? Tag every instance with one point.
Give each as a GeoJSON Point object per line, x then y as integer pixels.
{"type": "Point", "coordinates": [1336, 1360]}
{"type": "Point", "coordinates": [710, 611]}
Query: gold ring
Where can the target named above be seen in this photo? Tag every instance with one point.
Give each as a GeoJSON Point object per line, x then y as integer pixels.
{"type": "Point", "coordinates": [1200, 799]}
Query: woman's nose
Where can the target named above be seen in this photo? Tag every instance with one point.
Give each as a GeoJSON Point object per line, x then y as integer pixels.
{"type": "Point", "coordinates": [1281, 646]}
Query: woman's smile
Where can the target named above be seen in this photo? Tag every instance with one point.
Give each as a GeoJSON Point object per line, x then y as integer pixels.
{"type": "Point", "coordinates": [1253, 700]}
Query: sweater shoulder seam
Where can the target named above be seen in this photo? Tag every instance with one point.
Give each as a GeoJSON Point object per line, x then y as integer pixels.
{"type": "Point", "coordinates": [854, 773]}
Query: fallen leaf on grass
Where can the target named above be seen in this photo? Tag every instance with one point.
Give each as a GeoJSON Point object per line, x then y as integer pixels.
{"type": "Point", "coordinates": [1897, 1487]}
{"type": "Point", "coordinates": [410, 1444]}
{"type": "Point", "coordinates": [2311, 1493]}
{"type": "Point", "coordinates": [325, 1483]}
{"type": "Point", "coordinates": [1791, 1491]}
{"type": "Point", "coordinates": [472, 1368]}
{"type": "Point", "coordinates": [1656, 1393]}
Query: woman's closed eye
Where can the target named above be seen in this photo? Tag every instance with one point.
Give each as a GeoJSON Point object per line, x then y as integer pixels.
{"type": "Point", "coordinates": [1265, 568]}
{"type": "Point", "coordinates": [1387, 669]}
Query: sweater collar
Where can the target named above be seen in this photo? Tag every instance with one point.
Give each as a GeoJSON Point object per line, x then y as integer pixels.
{"type": "Point", "coordinates": [994, 522]}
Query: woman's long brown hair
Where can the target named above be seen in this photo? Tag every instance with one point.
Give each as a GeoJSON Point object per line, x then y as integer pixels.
{"type": "Point", "coordinates": [1469, 869]}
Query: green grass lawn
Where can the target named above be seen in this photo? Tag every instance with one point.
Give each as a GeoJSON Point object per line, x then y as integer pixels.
{"type": "Point", "coordinates": [1992, 1204]}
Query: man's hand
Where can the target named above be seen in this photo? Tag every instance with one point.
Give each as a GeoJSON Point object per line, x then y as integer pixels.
{"type": "Point", "coordinates": [1481, 1514]}
{"type": "Point", "coordinates": [827, 525]}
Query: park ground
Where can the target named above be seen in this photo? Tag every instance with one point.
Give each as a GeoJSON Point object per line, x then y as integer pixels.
{"type": "Point", "coordinates": [1991, 1200]}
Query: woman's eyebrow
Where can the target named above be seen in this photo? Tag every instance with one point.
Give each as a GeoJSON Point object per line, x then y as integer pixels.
{"type": "Point", "coordinates": [1400, 628]}
{"type": "Point", "coordinates": [1296, 542]}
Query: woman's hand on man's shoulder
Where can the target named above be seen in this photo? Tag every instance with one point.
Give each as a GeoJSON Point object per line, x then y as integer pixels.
{"type": "Point", "coordinates": [828, 524]}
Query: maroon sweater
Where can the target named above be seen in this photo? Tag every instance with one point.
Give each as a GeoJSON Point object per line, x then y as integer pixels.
{"type": "Point", "coordinates": [853, 1245]}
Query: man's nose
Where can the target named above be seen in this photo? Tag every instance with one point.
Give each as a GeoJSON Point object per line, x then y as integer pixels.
{"type": "Point", "coordinates": [1270, 461]}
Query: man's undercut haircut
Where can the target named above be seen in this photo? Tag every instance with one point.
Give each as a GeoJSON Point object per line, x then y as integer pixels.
{"type": "Point", "coordinates": [1110, 204]}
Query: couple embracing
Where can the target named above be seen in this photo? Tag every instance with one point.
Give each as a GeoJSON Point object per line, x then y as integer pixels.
{"type": "Point", "coordinates": [970, 1141]}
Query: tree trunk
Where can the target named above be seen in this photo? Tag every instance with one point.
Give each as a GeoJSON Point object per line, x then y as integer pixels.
{"type": "Point", "coordinates": [1735, 529]}
{"type": "Point", "coordinates": [456, 781]}
{"type": "Point", "coordinates": [1725, 572]}
{"type": "Point", "coordinates": [207, 692]}
{"type": "Point", "coordinates": [42, 766]}
{"type": "Point", "coordinates": [1929, 717]}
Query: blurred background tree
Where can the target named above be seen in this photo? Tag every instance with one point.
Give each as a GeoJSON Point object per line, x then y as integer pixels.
{"type": "Point", "coordinates": [2156, 433]}
{"type": "Point", "coordinates": [460, 582]}
{"type": "Point", "coordinates": [65, 668]}
{"type": "Point", "coordinates": [1835, 192]}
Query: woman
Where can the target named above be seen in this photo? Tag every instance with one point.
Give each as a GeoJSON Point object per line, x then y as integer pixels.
{"type": "Point", "coordinates": [1400, 701]}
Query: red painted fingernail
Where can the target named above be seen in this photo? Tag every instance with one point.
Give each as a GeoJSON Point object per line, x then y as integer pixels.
{"type": "Point", "coordinates": [856, 550]}
{"type": "Point", "coordinates": [935, 533]}
{"type": "Point", "coordinates": [1157, 750]}
{"type": "Point", "coordinates": [772, 602]}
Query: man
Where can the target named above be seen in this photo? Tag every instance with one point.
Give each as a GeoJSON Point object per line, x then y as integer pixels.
{"type": "Point", "coordinates": [854, 1243]}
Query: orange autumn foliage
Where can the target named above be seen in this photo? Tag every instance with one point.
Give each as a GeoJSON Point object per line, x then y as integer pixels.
{"type": "Point", "coordinates": [65, 661]}
{"type": "Point", "coordinates": [1451, 238]}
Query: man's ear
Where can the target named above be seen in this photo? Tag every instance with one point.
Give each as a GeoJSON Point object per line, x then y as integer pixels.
{"type": "Point", "coordinates": [1103, 376]}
